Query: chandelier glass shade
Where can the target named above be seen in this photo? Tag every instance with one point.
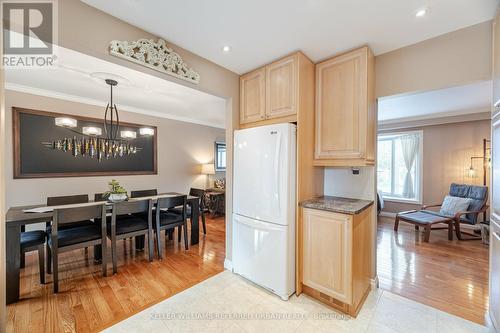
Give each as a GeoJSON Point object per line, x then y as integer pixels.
{"type": "Point", "coordinates": [96, 142]}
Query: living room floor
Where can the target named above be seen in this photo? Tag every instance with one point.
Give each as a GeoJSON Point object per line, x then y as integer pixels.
{"type": "Point", "coordinates": [451, 276]}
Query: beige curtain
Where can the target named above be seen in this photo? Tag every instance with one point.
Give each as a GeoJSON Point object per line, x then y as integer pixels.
{"type": "Point", "coordinates": [410, 147]}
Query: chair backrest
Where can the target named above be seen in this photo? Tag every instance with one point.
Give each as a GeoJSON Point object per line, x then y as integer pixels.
{"type": "Point", "coordinates": [99, 197]}
{"type": "Point", "coordinates": [196, 192]}
{"type": "Point", "coordinates": [132, 207]}
{"type": "Point", "coordinates": [67, 200]}
{"type": "Point", "coordinates": [78, 214]}
{"type": "Point", "coordinates": [143, 193]}
{"type": "Point", "coordinates": [171, 202]}
{"type": "Point", "coordinates": [478, 194]}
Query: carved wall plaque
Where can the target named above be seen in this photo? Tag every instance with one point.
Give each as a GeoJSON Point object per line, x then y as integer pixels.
{"type": "Point", "coordinates": [155, 55]}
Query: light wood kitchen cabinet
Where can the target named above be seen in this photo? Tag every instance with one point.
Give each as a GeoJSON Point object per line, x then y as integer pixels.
{"type": "Point", "coordinates": [327, 253]}
{"type": "Point", "coordinates": [252, 96]}
{"type": "Point", "coordinates": [281, 87]}
{"type": "Point", "coordinates": [345, 110]}
{"type": "Point", "coordinates": [274, 93]}
{"type": "Point", "coordinates": [336, 257]}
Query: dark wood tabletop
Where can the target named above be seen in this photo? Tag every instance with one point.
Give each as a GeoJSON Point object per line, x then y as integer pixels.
{"type": "Point", "coordinates": [16, 217]}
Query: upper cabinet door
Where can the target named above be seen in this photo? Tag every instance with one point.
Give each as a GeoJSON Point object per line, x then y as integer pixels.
{"type": "Point", "coordinates": [281, 87]}
{"type": "Point", "coordinates": [252, 96]}
{"type": "Point", "coordinates": [345, 110]}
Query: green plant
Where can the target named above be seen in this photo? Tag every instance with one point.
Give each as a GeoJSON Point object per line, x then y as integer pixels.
{"type": "Point", "coordinates": [114, 188]}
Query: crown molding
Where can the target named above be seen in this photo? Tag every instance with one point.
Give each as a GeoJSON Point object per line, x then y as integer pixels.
{"type": "Point", "coordinates": [436, 119]}
{"type": "Point", "coordinates": [102, 103]}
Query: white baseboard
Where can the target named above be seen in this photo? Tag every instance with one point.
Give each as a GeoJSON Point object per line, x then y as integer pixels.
{"type": "Point", "coordinates": [374, 283]}
{"type": "Point", "coordinates": [492, 324]}
{"type": "Point", "coordinates": [228, 264]}
{"type": "Point", "coordinates": [387, 214]}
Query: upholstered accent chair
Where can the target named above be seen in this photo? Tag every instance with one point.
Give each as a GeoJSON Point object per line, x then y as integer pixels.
{"type": "Point", "coordinates": [478, 196]}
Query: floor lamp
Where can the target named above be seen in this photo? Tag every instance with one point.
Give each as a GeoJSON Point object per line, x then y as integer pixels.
{"type": "Point", "coordinates": [486, 158]}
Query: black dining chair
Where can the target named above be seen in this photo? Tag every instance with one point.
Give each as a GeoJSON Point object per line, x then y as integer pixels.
{"type": "Point", "coordinates": [34, 241]}
{"type": "Point", "coordinates": [195, 192]}
{"type": "Point", "coordinates": [66, 200]}
{"type": "Point", "coordinates": [127, 221]}
{"type": "Point", "coordinates": [139, 241]}
{"type": "Point", "coordinates": [71, 238]}
{"type": "Point", "coordinates": [167, 220]}
{"type": "Point", "coordinates": [143, 193]}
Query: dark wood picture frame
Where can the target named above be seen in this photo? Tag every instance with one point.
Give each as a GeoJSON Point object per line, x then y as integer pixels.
{"type": "Point", "coordinates": [16, 112]}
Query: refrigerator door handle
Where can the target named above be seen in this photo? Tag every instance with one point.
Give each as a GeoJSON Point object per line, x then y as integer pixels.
{"type": "Point", "coordinates": [277, 167]}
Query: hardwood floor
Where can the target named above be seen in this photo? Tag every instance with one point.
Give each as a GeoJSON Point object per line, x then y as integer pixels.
{"type": "Point", "coordinates": [450, 276]}
{"type": "Point", "coordinates": [88, 302]}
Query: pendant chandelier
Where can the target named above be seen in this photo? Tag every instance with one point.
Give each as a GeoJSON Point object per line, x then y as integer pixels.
{"type": "Point", "coordinates": [92, 143]}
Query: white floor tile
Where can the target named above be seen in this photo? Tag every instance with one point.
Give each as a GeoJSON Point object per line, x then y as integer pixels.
{"type": "Point", "coordinates": [228, 303]}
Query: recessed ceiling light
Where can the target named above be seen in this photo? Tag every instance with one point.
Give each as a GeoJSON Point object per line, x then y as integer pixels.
{"type": "Point", "coordinates": [422, 12]}
{"type": "Point", "coordinates": [226, 48]}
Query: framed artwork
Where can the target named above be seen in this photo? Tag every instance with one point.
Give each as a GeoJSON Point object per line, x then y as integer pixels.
{"type": "Point", "coordinates": [35, 154]}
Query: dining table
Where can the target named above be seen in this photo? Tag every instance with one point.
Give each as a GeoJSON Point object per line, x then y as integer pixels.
{"type": "Point", "coordinates": [19, 216]}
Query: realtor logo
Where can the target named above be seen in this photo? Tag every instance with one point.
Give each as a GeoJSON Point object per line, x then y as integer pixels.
{"type": "Point", "coordinates": [28, 33]}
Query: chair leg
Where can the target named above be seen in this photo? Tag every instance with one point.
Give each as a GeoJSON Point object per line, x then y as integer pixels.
{"type": "Point", "coordinates": [170, 233]}
{"type": "Point", "coordinates": [150, 245]}
{"type": "Point", "coordinates": [427, 233]}
{"type": "Point", "coordinates": [186, 245]}
{"type": "Point", "coordinates": [450, 231]}
{"type": "Point", "coordinates": [158, 240]}
{"type": "Point", "coordinates": [41, 263]}
{"type": "Point", "coordinates": [55, 267]}
{"type": "Point", "coordinates": [22, 259]}
{"type": "Point", "coordinates": [104, 257]}
{"type": "Point", "coordinates": [113, 253]}
{"type": "Point", "coordinates": [396, 223]}
{"type": "Point", "coordinates": [49, 260]}
{"type": "Point", "coordinates": [203, 221]}
{"type": "Point", "coordinates": [179, 233]}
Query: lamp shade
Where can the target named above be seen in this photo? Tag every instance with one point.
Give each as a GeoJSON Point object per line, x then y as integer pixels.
{"type": "Point", "coordinates": [208, 169]}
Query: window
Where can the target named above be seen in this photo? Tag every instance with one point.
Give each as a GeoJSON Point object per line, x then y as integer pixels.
{"type": "Point", "coordinates": [220, 156]}
{"type": "Point", "coordinates": [397, 153]}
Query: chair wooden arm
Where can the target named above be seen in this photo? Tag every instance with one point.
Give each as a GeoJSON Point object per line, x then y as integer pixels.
{"type": "Point", "coordinates": [475, 212]}
{"type": "Point", "coordinates": [430, 206]}
{"type": "Point", "coordinates": [407, 212]}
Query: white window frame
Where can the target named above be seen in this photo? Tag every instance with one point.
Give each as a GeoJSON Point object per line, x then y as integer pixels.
{"type": "Point", "coordinates": [419, 172]}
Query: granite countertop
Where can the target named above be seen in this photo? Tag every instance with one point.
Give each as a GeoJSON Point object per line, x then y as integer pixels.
{"type": "Point", "coordinates": [338, 204]}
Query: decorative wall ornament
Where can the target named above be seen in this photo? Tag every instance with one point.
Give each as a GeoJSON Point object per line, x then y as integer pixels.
{"type": "Point", "coordinates": [155, 55]}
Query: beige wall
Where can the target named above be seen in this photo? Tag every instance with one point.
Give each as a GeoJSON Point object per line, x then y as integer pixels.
{"type": "Point", "coordinates": [88, 30]}
{"type": "Point", "coordinates": [453, 59]}
{"type": "Point", "coordinates": [181, 148]}
{"type": "Point", "coordinates": [446, 157]}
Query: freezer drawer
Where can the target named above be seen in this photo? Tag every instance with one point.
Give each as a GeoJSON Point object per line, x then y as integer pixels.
{"type": "Point", "coordinates": [264, 254]}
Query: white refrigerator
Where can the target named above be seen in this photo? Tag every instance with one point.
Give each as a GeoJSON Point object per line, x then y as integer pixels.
{"type": "Point", "coordinates": [264, 206]}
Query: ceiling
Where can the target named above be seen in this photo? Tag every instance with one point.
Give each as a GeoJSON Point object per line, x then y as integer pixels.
{"type": "Point", "coordinates": [259, 31]}
{"type": "Point", "coordinates": [455, 101]}
{"type": "Point", "coordinates": [80, 78]}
